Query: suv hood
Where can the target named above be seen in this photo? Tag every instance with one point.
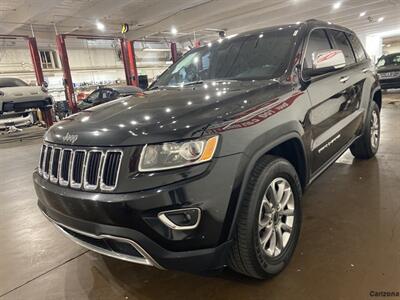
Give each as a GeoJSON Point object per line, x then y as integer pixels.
{"type": "Point", "coordinates": [23, 92]}
{"type": "Point", "coordinates": [388, 68]}
{"type": "Point", "coordinates": [161, 115]}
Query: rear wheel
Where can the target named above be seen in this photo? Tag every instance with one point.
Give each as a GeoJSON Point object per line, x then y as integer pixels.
{"type": "Point", "coordinates": [269, 220]}
{"type": "Point", "coordinates": [367, 145]}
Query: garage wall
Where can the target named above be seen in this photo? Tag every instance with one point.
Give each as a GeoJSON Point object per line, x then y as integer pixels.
{"type": "Point", "coordinates": [394, 48]}
{"type": "Point", "coordinates": [99, 64]}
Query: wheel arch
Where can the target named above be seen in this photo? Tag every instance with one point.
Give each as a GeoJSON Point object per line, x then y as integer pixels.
{"type": "Point", "coordinates": [289, 146]}
{"type": "Point", "coordinates": [377, 97]}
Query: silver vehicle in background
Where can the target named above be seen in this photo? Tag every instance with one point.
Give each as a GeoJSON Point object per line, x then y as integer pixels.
{"type": "Point", "coordinates": [17, 99]}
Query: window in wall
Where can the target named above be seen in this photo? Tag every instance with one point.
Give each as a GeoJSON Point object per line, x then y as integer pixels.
{"type": "Point", "coordinates": [48, 59]}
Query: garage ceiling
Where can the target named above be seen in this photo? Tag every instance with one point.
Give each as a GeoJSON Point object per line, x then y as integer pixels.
{"type": "Point", "coordinates": [156, 17]}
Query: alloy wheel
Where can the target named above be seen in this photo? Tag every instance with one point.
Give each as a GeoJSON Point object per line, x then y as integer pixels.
{"type": "Point", "coordinates": [374, 130]}
{"type": "Point", "coordinates": [276, 217]}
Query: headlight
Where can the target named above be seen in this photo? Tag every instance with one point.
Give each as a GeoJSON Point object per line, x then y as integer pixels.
{"type": "Point", "coordinates": [177, 154]}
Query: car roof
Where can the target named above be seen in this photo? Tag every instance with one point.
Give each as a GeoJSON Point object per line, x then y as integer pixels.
{"type": "Point", "coordinates": [391, 54]}
{"type": "Point", "coordinates": [311, 23]}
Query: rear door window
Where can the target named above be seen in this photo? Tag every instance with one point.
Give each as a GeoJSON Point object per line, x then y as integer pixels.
{"type": "Point", "coordinates": [343, 44]}
{"type": "Point", "coordinates": [318, 41]}
{"type": "Point", "coordinates": [357, 47]}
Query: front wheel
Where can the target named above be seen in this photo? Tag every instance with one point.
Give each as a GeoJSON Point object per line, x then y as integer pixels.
{"type": "Point", "coordinates": [269, 220]}
{"type": "Point", "coordinates": [367, 145]}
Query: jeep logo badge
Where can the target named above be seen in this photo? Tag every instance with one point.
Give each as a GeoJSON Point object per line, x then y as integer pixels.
{"type": "Point", "coordinates": [70, 138]}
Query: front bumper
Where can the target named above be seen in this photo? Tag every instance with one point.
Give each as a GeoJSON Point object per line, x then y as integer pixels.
{"type": "Point", "coordinates": [101, 221]}
{"type": "Point", "coordinates": [393, 83]}
{"type": "Point", "coordinates": [24, 104]}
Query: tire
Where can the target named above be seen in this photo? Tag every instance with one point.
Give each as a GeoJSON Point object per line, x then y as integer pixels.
{"type": "Point", "coordinates": [367, 145]}
{"type": "Point", "coordinates": [252, 253]}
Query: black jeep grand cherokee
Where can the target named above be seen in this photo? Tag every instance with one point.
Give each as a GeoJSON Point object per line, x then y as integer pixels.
{"type": "Point", "coordinates": [207, 169]}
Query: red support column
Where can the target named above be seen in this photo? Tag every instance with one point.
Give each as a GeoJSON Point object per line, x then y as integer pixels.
{"type": "Point", "coordinates": [174, 52]}
{"type": "Point", "coordinates": [37, 66]}
{"type": "Point", "coordinates": [69, 87]}
{"type": "Point", "coordinates": [132, 63]}
{"type": "Point", "coordinates": [129, 60]}
{"type": "Point", "coordinates": [125, 60]}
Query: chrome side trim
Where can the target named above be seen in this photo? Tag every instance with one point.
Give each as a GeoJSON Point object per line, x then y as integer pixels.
{"type": "Point", "coordinates": [73, 184]}
{"type": "Point", "coordinates": [103, 186]}
{"type": "Point", "coordinates": [86, 185]}
{"type": "Point", "coordinates": [163, 218]}
{"type": "Point", "coordinates": [145, 260]}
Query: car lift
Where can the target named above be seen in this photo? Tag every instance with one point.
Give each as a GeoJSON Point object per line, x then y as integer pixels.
{"type": "Point", "coordinates": [33, 49]}
{"type": "Point", "coordinates": [128, 57]}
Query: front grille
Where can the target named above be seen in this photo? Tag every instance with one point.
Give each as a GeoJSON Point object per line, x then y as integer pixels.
{"type": "Point", "coordinates": [109, 175]}
{"type": "Point", "coordinates": [92, 169]}
{"type": "Point", "coordinates": [46, 164]}
{"type": "Point", "coordinates": [77, 168]}
{"type": "Point", "coordinates": [55, 162]}
{"type": "Point", "coordinates": [65, 162]}
{"type": "Point", "coordinates": [80, 168]}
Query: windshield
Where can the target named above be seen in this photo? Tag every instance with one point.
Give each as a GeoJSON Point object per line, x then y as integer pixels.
{"type": "Point", "coordinates": [11, 82]}
{"type": "Point", "coordinates": [392, 59]}
{"type": "Point", "coordinates": [259, 56]}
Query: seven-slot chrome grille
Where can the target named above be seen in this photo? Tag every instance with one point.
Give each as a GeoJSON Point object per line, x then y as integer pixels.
{"type": "Point", "coordinates": [87, 169]}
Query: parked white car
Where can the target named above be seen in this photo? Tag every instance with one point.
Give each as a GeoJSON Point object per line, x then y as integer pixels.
{"type": "Point", "coordinates": [17, 96]}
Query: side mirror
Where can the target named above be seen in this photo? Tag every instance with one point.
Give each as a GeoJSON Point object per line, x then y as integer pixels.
{"type": "Point", "coordinates": [326, 61]}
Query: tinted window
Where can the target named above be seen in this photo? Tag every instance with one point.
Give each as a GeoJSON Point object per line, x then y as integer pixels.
{"type": "Point", "coordinates": [357, 47]}
{"type": "Point", "coordinates": [259, 56]}
{"type": "Point", "coordinates": [114, 95]}
{"type": "Point", "coordinates": [318, 41]}
{"type": "Point", "coordinates": [343, 44]}
{"type": "Point", "coordinates": [93, 96]}
{"type": "Point", "coordinates": [106, 94]}
{"type": "Point", "coordinates": [11, 82]}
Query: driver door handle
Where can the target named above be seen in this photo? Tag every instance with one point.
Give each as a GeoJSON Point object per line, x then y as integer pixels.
{"type": "Point", "coordinates": [343, 79]}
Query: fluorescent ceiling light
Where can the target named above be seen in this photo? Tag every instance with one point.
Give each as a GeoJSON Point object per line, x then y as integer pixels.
{"type": "Point", "coordinates": [174, 31]}
{"type": "Point", "coordinates": [362, 14]}
{"type": "Point", "coordinates": [381, 19]}
{"type": "Point", "coordinates": [337, 5]}
{"type": "Point", "coordinates": [100, 26]}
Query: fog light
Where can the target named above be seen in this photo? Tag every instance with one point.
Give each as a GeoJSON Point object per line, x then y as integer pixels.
{"type": "Point", "coordinates": [181, 219]}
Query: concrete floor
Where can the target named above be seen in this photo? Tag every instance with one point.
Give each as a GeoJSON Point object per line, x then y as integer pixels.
{"type": "Point", "coordinates": [349, 245]}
